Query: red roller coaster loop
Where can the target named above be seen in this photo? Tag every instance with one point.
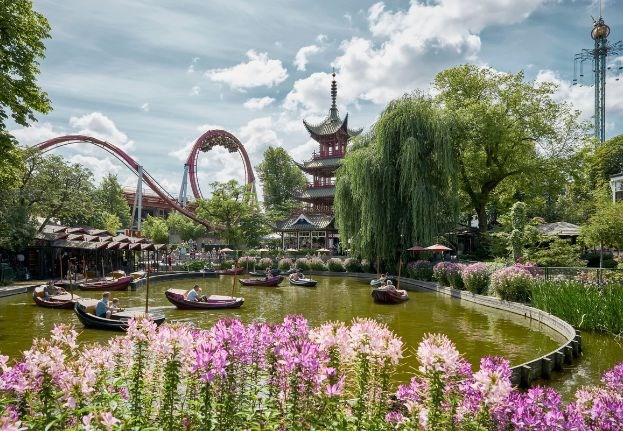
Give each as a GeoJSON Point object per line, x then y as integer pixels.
{"type": "Point", "coordinates": [205, 143]}
{"type": "Point", "coordinates": [210, 139]}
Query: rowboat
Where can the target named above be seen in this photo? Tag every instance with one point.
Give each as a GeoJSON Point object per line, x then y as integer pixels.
{"type": "Point", "coordinates": [116, 284]}
{"type": "Point", "coordinates": [387, 296]}
{"type": "Point", "coordinates": [268, 282]}
{"type": "Point", "coordinates": [236, 271]}
{"type": "Point", "coordinates": [177, 297]}
{"type": "Point", "coordinates": [305, 282]}
{"type": "Point", "coordinates": [64, 300]}
{"type": "Point", "coordinates": [257, 273]}
{"type": "Point", "coordinates": [138, 275]}
{"type": "Point", "coordinates": [85, 310]}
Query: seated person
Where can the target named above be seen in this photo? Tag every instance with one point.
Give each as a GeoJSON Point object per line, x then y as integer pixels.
{"type": "Point", "coordinates": [51, 290]}
{"type": "Point", "coordinates": [114, 307]}
{"type": "Point", "coordinates": [102, 308]}
{"type": "Point", "coordinates": [295, 276]}
{"type": "Point", "coordinates": [390, 286]}
{"type": "Point", "coordinates": [193, 294]}
{"type": "Point", "coordinates": [233, 267]}
{"type": "Point", "coordinates": [269, 272]}
{"type": "Point", "coordinates": [300, 275]}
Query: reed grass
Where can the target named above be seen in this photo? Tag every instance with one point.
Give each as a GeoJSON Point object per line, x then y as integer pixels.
{"type": "Point", "coordinates": [585, 306]}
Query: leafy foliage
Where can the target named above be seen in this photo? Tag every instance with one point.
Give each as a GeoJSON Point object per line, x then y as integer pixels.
{"type": "Point", "coordinates": [559, 252]}
{"type": "Point", "coordinates": [281, 180]}
{"type": "Point", "coordinates": [156, 229]}
{"type": "Point", "coordinates": [185, 227]}
{"type": "Point", "coordinates": [395, 186]}
{"type": "Point", "coordinates": [605, 227]}
{"type": "Point", "coordinates": [110, 199]}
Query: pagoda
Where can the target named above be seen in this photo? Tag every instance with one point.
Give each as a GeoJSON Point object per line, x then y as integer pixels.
{"type": "Point", "coordinates": [314, 225]}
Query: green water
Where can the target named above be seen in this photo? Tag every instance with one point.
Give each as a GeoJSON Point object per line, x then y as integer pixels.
{"type": "Point", "coordinates": [477, 331]}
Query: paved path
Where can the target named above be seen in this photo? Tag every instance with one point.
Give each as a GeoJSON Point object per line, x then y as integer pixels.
{"type": "Point", "coordinates": [18, 288]}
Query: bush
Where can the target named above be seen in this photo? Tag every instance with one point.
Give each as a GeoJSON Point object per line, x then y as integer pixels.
{"type": "Point", "coordinates": [476, 278]}
{"type": "Point", "coordinates": [335, 264]}
{"type": "Point", "coordinates": [366, 266]}
{"type": "Point", "coordinates": [285, 264]}
{"type": "Point", "coordinates": [592, 258]}
{"type": "Point", "coordinates": [449, 274]}
{"type": "Point", "coordinates": [513, 283]}
{"type": "Point", "coordinates": [194, 265]}
{"type": "Point", "coordinates": [316, 264]}
{"type": "Point", "coordinates": [264, 263]}
{"type": "Point", "coordinates": [352, 265]}
{"type": "Point", "coordinates": [244, 260]}
{"type": "Point", "coordinates": [302, 263]}
{"type": "Point", "coordinates": [227, 264]}
{"type": "Point", "coordinates": [420, 270]}
{"type": "Point", "coordinates": [559, 252]}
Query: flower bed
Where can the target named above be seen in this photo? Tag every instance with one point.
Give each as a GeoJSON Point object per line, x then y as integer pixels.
{"type": "Point", "coordinates": [513, 283]}
{"type": "Point", "coordinates": [284, 376]}
{"type": "Point", "coordinates": [476, 278]}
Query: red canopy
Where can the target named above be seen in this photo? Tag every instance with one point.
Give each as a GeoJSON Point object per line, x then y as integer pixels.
{"type": "Point", "coordinates": [438, 247]}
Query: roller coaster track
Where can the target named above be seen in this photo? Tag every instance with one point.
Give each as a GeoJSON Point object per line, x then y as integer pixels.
{"type": "Point", "coordinates": [204, 143]}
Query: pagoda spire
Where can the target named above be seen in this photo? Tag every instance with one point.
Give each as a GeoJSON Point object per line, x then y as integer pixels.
{"type": "Point", "coordinates": [333, 96]}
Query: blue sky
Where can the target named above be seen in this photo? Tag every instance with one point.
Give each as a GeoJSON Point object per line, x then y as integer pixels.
{"type": "Point", "coordinates": [151, 76]}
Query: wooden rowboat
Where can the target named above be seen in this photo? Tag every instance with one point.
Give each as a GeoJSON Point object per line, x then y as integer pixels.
{"type": "Point", "coordinates": [117, 284]}
{"type": "Point", "coordinates": [386, 296]}
{"type": "Point", "coordinates": [85, 310]}
{"type": "Point", "coordinates": [267, 282]}
{"type": "Point", "coordinates": [377, 281]}
{"type": "Point", "coordinates": [177, 297]}
{"type": "Point", "coordinates": [62, 301]}
{"type": "Point", "coordinates": [305, 282]}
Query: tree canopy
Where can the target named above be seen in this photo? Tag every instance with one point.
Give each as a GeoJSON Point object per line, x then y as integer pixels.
{"type": "Point", "coordinates": [232, 208]}
{"type": "Point", "coordinates": [185, 227]}
{"type": "Point", "coordinates": [109, 197]}
{"type": "Point", "coordinates": [395, 185]}
{"type": "Point", "coordinates": [605, 226]}
{"type": "Point", "coordinates": [505, 129]}
{"type": "Point", "coordinates": [156, 229]}
{"type": "Point", "coordinates": [281, 180]}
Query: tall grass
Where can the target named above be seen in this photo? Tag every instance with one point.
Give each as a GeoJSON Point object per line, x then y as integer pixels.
{"type": "Point", "coordinates": [585, 306]}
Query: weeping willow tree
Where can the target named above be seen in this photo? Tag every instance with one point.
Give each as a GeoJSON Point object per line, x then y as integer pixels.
{"type": "Point", "coordinates": [396, 186]}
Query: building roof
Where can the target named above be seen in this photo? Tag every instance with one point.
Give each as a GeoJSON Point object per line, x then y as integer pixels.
{"type": "Point", "coordinates": [332, 123]}
{"type": "Point", "coordinates": [307, 221]}
{"type": "Point", "coordinates": [332, 162]}
{"type": "Point", "coordinates": [317, 192]}
{"type": "Point", "coordinates": [560, 228]}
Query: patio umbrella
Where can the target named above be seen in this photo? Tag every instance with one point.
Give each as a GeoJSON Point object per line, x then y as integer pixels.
{"type": "Point", "coordinates": [438, 247]}
{"type": "Point", "coordinates": [416, 248]}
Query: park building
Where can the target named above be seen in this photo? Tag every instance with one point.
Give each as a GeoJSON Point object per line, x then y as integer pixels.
{"type": "Point", "coordinates": [616, 184]}
{"type": "Point", "coordinates": [313, 225]}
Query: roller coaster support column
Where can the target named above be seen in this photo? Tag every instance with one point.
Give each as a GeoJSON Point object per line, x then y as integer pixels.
{"type": "Point", "coordinates": [138, 199]}
{"type": "Point", "coordinates": [183, 197]}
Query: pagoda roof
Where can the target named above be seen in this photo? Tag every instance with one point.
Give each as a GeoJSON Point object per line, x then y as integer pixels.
{"type": "Point", "coordinates": [317, 192]}
{"type": "Point", "coordinates": [333, 123]}
{"type": "Point", "coordinates": [307, 221]}
{"type": "Point", "coordinates": [332, 162]}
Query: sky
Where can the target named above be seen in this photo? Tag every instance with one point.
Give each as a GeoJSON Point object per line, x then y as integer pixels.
{"type": "Point", "coordinates": [150, 76]}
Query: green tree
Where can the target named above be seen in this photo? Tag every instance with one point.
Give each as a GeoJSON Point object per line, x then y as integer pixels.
{"type": "Point", "coordinates": [232, 208]}
{"type": "Point", "coordinates": [22, 32]}
{"type": "Point", "coordinates": [607, 159]}
{"type": "Point", "coordinates": [281, 181]}
{"type": "Point", "coordinates": [395, 186]}
{"type": "Point", "coordinates": [109, 197]}
{"type": "Point", "coordinates": [605, 227]}
{"type": "Point", "coordinates": [111, 222]}
{"type": "Point", "coordinates": [156, 229]}
{"type": "Point", "coordinates": [185, 227]}
{"type": "Point", "coordinates": [505, 128]}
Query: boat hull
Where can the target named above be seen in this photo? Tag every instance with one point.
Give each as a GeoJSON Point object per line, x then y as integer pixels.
{"type": "Point", "coordinates": [118, 284]}
{"type": "Point", "coordinates": [305, 282]}
{"type": "Point", "coordinates": [384, 296]}
{"type": "Point", "coordinates": [266, 282]}
{"type": "Point", "coordinates": [176, 297]}
{"type": "Point", "coordinates": [119, 323]}
{"type": "Point", "coordinates": [65, 301]}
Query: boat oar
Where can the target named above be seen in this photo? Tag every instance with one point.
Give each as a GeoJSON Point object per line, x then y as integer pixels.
{"type": "Point", "coordinates": [233, 285]}
{"type": "Point", "coordinates": [147, 294]}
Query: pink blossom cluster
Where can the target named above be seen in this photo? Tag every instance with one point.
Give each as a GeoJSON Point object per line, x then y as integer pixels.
{"type": "Point", "coordinates": [285, 263]}
{"type": "Point", "coordinates": [265, 262]}
{"type": "Point", "coordinates": [513, 283]}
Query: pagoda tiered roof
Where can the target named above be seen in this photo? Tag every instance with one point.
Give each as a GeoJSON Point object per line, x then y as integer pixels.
{"type": "Point", "coordinates": [316, 165]}
{"type": "Point", "coordinates": [307, 221]}
{"type": "Point", "coordinates": [331, 125]}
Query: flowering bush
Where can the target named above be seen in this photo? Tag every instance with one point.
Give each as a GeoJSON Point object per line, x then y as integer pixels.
{"type": "Point", "coordinates": [420, 270]}
{"type": "Point", "coordinates": [449, 274]}
{"type": "Point", "coordinates": [366, 266]}
{"type": "Point", "coordinates": [352, 265]}
{"type": "Point", "coordinates": [246, 260]}
{"type": "Point", "coordinates": [302, 263]}
{"type": "Point", "coordinates": [285, 263]}
{"type": "Point", "coordinates": [317, 264]}
{"type": "Point", "coordinates": [227, 264]}
{"type": "Point", "coordinates": [513, 283]}
{"type": "Point", "coordinates": [264, 263]}
{"type": "Point", "coordinates": [335, 264]}
{"type": "Point", "coordinates": [283, 376]}
{"type": "Point", "coordinates": [476, 278]}
{"type": "Point", "coordinates": [230, 377]}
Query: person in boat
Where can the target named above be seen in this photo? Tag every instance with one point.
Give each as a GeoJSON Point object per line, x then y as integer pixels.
{"type": "Point", "coordinates": [269, 272]}
{"type": "Point", "coordinates": [295, 276]}
{"type": "Point", "coordinates": [299, 275]}
{"type": "Point", "coordinates": [102, 309]}
{"type": "Point", "coordinates": [51, 290]}
{"type": "Point", "coordinates": [193, 294]}
{"type": "Point", "coordinates": [391, 287]}
{"type": "Point", "coordinates": [114, 307]}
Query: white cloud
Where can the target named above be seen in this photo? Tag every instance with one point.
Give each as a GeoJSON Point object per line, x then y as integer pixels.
{"type": "Point", "coordinates": [205, 127]}
{"type": "Point", "coordinates": [258, 103]}
{"type": "Point", "coordinates": [257, 72]}
{"type": "Point", "coordinates": [195, 90]}
{"type": "Point", "coordinates": [322, 38]}
{"type": "Point", "coordinates": [303, 152]}
{"type": "Point", "coordinates": [258, 134]}
{"type": "Point", "coordinates": [100, 166]}
{"type": "Point", "coordinates": [407, 49]}
{"type": "Point", "coordinates": [300, 60]}
{"type": "Point", "coordinates": [348, 18]}
{"type": "Point", "coordinates": [183, 152]}
{"type": "Point", "coordinates": [191, 67]}
{"type": "Point", "coordinates": [145, 107]}
{"type": "Point", "coordinates": [100, 126]}
{"type": "Point", "coordinates": [36, 134]}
